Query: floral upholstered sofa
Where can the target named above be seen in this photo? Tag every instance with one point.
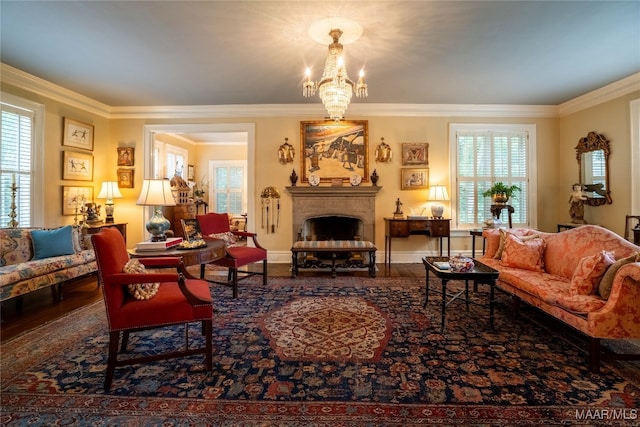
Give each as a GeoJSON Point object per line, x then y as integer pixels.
{"type": "Point", "coordinates": [587, 277]}
{"type": "Point", "coordinates": [35, 258]}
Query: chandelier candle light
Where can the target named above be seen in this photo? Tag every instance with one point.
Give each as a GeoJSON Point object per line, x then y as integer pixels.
{"type": "Point", "coordinates": [335, 88]}
{"type": "Point", "coordinates": [437, 193]}
{"type": "Point", "coordinates": [109, 191]}
{"type": "Point", "coordinates": [157, 193]}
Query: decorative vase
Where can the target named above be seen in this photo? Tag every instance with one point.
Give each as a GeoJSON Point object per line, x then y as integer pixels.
{"type": "Point", "coordinates": [500, 199]}
{"type": "Point", "coordinates": [460, 264]}
{"type": "Point", "coordinates": [374, 178]}
{"type": "Point", "coordinates": [293, 178]}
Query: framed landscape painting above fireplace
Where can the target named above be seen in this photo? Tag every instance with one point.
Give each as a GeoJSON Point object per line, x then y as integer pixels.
{"type": "Point", "coordinates": [334, 150]}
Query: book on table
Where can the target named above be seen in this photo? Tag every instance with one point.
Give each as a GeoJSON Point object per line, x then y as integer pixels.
{"type": "Point", "coordinates": [158, 246]}
{"type": "Point", "coordinates": [442, 265]}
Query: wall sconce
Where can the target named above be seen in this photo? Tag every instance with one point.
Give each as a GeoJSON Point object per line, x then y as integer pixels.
{"type": "Point", "coordinates": [437, 193]}
{"type": "Point", "coordinates": [109, 191]}
{"type": "Point", "coordinates": [286, 152]}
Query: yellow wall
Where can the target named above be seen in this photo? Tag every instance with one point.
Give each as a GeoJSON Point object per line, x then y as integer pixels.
{"type": "Point", "coordinates": [612, 119]}
{"type": "Point", "coordinates": [556, 164]}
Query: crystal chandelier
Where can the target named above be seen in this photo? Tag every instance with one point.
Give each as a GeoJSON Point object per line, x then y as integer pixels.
{"type": "Point", "coordinates": [335, 88]}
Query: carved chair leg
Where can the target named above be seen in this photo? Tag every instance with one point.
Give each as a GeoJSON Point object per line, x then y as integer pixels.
{"type": "Point", "coordinates": [207, 326]}
{"type": "Point", "coordinates": [125, 341]}
{"type": "Point", "coordinates": [264, 272]}
{"type": "Point", "coordinates": [114, 337]}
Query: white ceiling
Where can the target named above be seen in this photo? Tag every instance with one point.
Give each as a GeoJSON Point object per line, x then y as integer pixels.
{"type": "Point", "coordinates": [143, 53]}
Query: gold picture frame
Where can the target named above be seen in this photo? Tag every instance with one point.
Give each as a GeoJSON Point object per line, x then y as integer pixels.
{"type": "Point", "coordinates": [126, 156]}
{"type": "Point", "coordinates": [334, 150]}
{"type": "Point", "coordinates": [77, 166]}
{"type": "Point", "coordinates": [74, 198]}
{"type": "Point", "coordinates": [125, 178]}
{"type": "Point", "coordinates": [414, 178]}
{"type": "Point", "coordinates": [415, 154]}
{"type": "Point", "coordinates": [77, 134]}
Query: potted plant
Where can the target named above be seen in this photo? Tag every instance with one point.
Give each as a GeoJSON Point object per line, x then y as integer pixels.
{"type": "Point", "coordinates": [199, 193]}
{"type": "Point", "coordinates": [501, 192]}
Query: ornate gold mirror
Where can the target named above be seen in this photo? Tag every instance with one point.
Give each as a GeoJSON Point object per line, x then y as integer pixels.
{"type": "Point", "coordinates": [592, 153]}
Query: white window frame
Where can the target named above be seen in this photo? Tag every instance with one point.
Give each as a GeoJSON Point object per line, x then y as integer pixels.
{"type": "Point", "coordinates": [161, 161]}
{"type": "Point", "coordinates": [530, 129]}
{"type": "Point", "coordinates": [213, 164]}
{"type": "Point", "coordinates": [37, 157]}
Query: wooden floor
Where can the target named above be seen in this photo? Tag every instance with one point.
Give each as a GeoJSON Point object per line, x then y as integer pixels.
{"type": "Point", "coordinates": [39, 307]}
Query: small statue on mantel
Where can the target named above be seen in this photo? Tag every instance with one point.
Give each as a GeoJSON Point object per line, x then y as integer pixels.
{"type": "Point", "coordinates": [293, 178]}
{"type": "Point", "coordinates": [576, 200]}
{"type": "Point", "coordinates": [374, 178]}
{"type": "Point", "coordinates": [398, 213]}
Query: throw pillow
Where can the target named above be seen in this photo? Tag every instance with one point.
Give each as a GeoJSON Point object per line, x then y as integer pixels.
{"type": "Point", "coordinates": [228, 237]}
{"type": "Point", "coordinates": [503, 239]}
{"type": "Point", "coordinates": [604, 288]}
{"type": "Point", "coordinates": [50, 243]}
{"type": "Point", "coordinates": [586, 277]}
{"type": "Point", "coordinates": [526, 255]}
{"type": "Point", "coordinates": [141, 291]}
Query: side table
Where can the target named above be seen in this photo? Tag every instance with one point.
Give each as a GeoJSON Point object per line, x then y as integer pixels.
{"type": "Point", "coordinates": [214, 250]}
{"type": "Point", "coordinates": [476, 232]}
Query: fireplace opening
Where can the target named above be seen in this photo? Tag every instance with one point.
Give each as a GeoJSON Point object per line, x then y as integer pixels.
{"type": "Point", "coordinates": [332, 227]}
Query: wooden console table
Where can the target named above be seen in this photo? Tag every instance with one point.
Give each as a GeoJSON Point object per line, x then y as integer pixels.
{"type": "Point", "coordinates": [405, 227]}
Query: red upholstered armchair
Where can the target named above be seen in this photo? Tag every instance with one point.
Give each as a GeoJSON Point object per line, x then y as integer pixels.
{"type": "Point", "coordinates": [236, 256]}
{"type": "Point", "coordinates": [177, 301]}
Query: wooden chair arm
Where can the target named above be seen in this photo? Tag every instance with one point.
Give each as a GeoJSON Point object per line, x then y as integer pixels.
{"type": "Point", "coordinates": [193, 299]}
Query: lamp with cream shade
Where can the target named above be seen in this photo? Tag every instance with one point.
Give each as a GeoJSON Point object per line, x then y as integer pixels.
{"type": "Point", "coordinates": [109, 191]}
{"type": "Point", "coordinates": [157, 193]}
{"type": "Point", "coordinates": [437, 194]}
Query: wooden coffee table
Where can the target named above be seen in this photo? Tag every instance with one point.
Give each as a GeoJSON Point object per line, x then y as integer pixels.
{"type": "Point", "coordinates": [481, 274]}
{"type": "Point", "coordinates": [214, 250]}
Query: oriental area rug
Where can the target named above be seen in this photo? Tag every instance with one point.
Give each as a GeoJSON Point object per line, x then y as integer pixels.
{"type": "Point", "coordinates": [315, 351]}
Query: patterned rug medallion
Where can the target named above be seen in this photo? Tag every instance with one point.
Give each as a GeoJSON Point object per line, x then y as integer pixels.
{"type": "Point", "coordinates": [348, 351]}
{"type": "Point", "coordinates": [328, 328]}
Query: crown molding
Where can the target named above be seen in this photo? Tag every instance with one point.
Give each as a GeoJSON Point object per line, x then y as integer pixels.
{"type": "Point", "coordinates": [22, 80]}
{"type": "Point", "coordinates": [606, 93]}
{"type": "Point", "coordinates": [31, 83]}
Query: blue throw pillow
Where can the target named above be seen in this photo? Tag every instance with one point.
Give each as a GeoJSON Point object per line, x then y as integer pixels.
{"type": "Point", "coordinates": [49, 243]}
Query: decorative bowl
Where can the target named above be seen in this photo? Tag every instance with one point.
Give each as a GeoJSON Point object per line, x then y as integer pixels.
{"type": "Point", "coordinates": [461, 264]}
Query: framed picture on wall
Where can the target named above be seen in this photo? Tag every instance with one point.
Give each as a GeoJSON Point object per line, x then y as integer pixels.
{"type": "Point", "coordinates": [77, 134]}
{"type": "Point", "coordinates": [414, 179]}
{"type": "Point", "coordinates": [77, 166]}
{"type": "Point", "coordinates": [125, 178]}
{"type": "Point", "coordinates": [334, 150]}
{"type": "Point", "coordinates": [191, 174]}
{"type": "Point", "coordinates": [74, 198]}
{"type": "Point", "coordinates": [125, 156]}
{"type": "Point", "coordinates": [415, 154]}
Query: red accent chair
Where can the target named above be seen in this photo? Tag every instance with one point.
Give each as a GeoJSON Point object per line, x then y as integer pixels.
{"type": "Point", "coordinates": [235, 256]}
{"type": "Point", "coordinates": [178, 301]}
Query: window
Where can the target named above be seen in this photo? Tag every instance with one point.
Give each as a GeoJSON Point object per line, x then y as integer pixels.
{"type": "Point", "coordinates": [483, 155]}
{"type": "Point", "coordinates": [21, 160]}
{"type": "Point", "coordinates": [169, 159]}
{"type": "Point", "coordinates": [228, 180]}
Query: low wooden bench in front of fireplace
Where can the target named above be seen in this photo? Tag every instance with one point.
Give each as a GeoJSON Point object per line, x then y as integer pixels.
{"type": "Point", "coordinates": [310, 253]}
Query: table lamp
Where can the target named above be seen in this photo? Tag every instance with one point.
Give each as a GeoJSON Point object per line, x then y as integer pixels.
{"type": "Point", "coordinates": [437, 193]}
{"type": "Point", "coordinates": [109, 191]}
{"type": "Point", "coordinates": [157, 193]}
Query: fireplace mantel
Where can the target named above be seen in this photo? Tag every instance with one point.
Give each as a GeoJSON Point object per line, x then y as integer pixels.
{"type": "Point", "coordinates": [323, 191]}
{"type": "Point", "coordinates": [356, 202]}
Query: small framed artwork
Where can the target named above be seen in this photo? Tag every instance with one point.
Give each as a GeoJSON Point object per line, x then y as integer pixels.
{"type": "Point", "coordinates": [415, 154]}
{"type": "Point", "coordinates": [191, 229]}
{"type": "Point", "coordinates": [414, 179]}
{"type": "Point", "coordinates": [191, 174]}
{"type": "Point", "coordinates": [77, 166]}
{"type": "Point", "coordinates": [74, 198]}
{"type": "Point", "coordinates": [125, 156]}
{"type": "Point", "coordinates": [77, 134]}
{"type": "Point", "coordinates": [125, 178]}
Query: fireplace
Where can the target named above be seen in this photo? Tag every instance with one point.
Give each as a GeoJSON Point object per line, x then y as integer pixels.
{"type": "Point", "coordinates": [353, 207]}
{"type": "Point", "coordinates": [332, 227]}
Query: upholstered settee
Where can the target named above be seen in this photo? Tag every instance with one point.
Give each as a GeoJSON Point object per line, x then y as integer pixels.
{"type": "Point", "coordinates": [587, 277]}
{"type": "Point", "coordinates": [35, 258]}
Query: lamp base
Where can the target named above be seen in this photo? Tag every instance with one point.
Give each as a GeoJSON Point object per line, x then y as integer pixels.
{"type": "Point", "coordinates": [437, 210]}
{"type": "Point", "coordinates": [108, 210]}
{"type": "Point", "coordinates": [158, 225]}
